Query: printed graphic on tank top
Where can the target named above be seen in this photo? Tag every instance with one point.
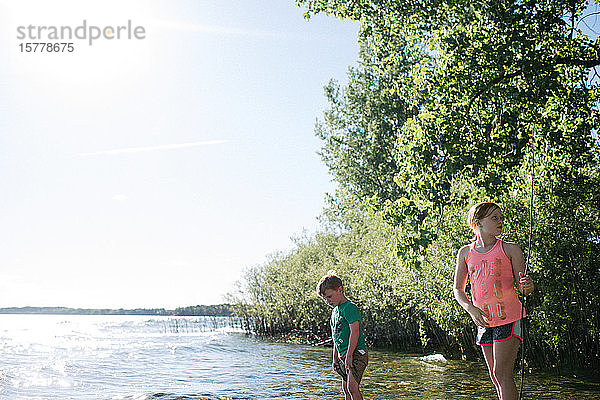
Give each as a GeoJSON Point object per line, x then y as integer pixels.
{"type": "Point", "coordinates": [492, 284]}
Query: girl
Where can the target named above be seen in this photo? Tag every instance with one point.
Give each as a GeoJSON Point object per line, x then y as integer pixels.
{"type": "Point", "coordinates": [493, 267]}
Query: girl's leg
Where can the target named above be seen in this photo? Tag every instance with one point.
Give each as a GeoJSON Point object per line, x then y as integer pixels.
{"type": "Point", "coordinates": [488, 354]}
{"type": "Point", "coordinates": [504, 354]}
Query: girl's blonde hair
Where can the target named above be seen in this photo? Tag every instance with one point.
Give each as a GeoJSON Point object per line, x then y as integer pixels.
{"type": "Point", "coordinates": [480, 211]}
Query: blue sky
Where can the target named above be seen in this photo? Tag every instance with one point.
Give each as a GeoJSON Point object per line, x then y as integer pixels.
{"type": "Point", "coordinates": [151, 173]}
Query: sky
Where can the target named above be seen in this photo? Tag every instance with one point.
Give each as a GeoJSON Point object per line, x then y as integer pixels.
{"type": "Point", "coordinates": [153, 171]}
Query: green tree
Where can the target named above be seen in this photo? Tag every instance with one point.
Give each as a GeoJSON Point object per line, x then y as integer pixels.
{"type": "Point", "coordinates": [454, 102]}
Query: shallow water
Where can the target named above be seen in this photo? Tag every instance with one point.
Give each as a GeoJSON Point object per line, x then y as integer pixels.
{"type": "Point", "coordinates": [201, 358]}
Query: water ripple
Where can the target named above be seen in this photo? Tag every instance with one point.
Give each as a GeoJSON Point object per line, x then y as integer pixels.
{"type": "Point", "coordinates": [142, 358]}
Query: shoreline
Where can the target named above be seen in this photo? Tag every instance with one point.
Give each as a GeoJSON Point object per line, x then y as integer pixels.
{"type": "Point", "coordinates": [218, 310]}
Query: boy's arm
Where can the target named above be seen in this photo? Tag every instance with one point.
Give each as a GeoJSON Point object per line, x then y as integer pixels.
{"type": "Point", "coordinates": [335, 357]}
{"type": "Point", "coordinates": [352, 342]}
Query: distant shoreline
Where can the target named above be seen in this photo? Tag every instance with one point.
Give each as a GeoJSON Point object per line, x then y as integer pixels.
{"type": "Point", "coordinates": [199, 310]}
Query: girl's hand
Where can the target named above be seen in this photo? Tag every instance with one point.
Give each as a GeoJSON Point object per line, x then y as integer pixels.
{"type": "Point", "coordinates": [525, 284]}
{"type": "Point", "coordinates": [334, 364]}
{"type": "Point", "coordinates": [478, 316]}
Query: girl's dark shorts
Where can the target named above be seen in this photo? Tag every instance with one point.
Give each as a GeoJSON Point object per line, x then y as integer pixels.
{"type": "Point", "coordinates": [489, 336]}
{"type": "Point", "coordinates": [360, 359]}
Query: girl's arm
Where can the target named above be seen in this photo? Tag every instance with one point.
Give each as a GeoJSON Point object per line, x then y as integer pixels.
{"type": "Point", "coordinates": [352, 342]}
{"type": "Point", "coordinates": [460, 281]}
{"type": "Point", "coordinates": [515, 254]}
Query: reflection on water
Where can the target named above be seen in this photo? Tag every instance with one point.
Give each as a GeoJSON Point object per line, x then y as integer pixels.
{"type": "Point", "coordinates": [393, 376]}
{"type": "Point", "coordinates": [401, 376]}
{"type": "Point", "coordinates": [143, 358]}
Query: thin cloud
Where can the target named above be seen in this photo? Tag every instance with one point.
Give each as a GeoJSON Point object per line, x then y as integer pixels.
{"type": "Point", "coordinates": [152, 148]}
{"type": "Point", "coordinates": [214, 29]}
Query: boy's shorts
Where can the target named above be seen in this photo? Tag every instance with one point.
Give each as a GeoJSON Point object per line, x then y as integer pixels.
{"type": "Point", "coordinates": [360, 359]}
{"type": "Point", "coordinates": [488, 336]}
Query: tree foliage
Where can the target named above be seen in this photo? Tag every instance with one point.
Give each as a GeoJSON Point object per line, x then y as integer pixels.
{"type": "Point", "coordinates": [452, 103]}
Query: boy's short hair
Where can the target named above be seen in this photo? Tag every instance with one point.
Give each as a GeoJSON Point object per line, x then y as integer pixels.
{"type": "Point", "coordinates": [329, 281]}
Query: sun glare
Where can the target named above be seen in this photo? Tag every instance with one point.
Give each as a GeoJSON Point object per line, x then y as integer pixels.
{"type": "Point", "coordinates": [98, 45]}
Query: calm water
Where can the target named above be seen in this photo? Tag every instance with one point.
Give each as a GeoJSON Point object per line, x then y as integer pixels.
{"type": "Point", "coordinates": [142, 357]}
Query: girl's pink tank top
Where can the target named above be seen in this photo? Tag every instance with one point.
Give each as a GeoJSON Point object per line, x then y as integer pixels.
{"type": "Point", "coordinates": [493, 284]}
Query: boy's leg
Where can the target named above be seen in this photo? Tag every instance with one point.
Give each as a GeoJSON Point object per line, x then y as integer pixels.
{"type": "Point", "coordinates": [488, 354]}
{"type": "Point", "coordinates": [347, 395]}
{"type": "Point", "coordinates": [353, 387]}
{"type": "Point", "coordinates": [505, 353]}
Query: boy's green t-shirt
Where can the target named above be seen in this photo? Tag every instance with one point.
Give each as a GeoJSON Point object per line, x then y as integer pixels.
{"type": "Point", "coordinates": [341, 318]}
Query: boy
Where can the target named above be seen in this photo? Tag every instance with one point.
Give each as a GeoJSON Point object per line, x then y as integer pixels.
{"type": "Point", "coordinates": [350, 356]}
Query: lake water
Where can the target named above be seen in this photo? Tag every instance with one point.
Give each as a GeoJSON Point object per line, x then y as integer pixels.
{"type": "Point", "coordinates": [203, 358]}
